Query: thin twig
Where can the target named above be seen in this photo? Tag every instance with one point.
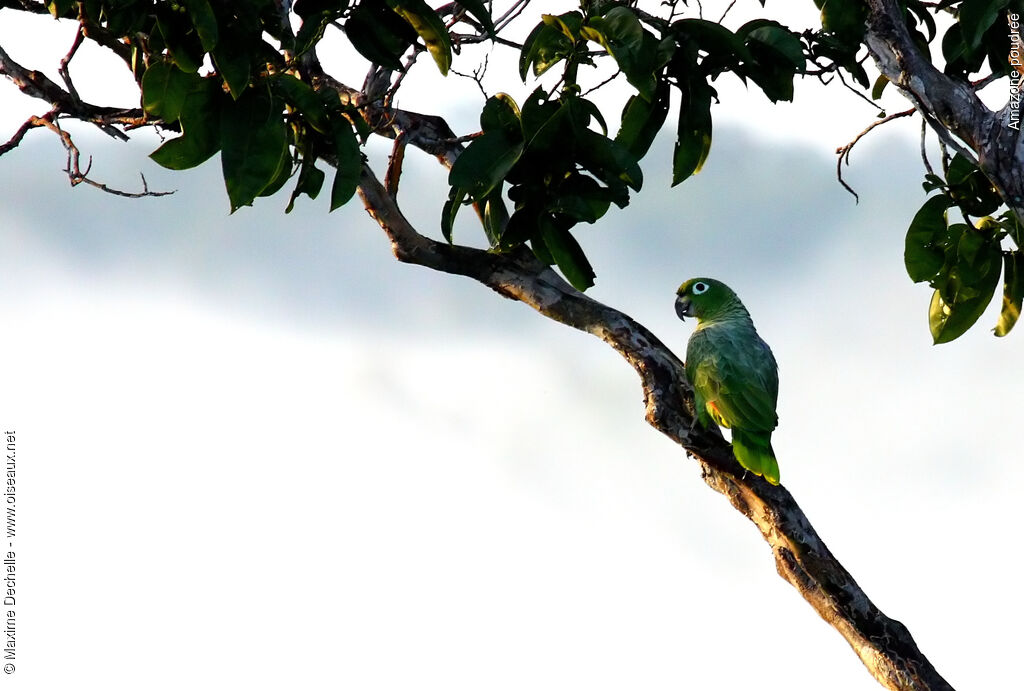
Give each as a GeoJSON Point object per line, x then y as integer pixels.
{"type": "Point", "coordinates": [146, 192]}
{"type": "Point", "coordinates": [945, 157]}
{"type": "Point", "coordinates": [62, 70]}
{"type": "Point", "coordinates": [470, 39]}
{"type": "Point", "coordinates": [924, 150]}
{"type": "Point", "coordinates": [510, 15]}
{"type": "Point", "coordinates": [477, 76]}
{"type": "Point", "coordinates": [722, 18]}
{"type": "Point", "coordinates": [76, 175]}
{"type": "Point", "coordinates": [31, 123]}
{"type": "Point", "coordinates": [606, 81]}
{"type": "Point", "coordinates": [980, 84]}
{"type": "Point", "coordinates": [843, 152]}
{"type": "Point", "coordinates": [855, 91]}
{"type": "Point", "coordinates": [390, 95]}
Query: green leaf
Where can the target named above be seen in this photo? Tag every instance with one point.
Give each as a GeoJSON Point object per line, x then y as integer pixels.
{"type": "Point", "coordinates": [580, 111]}
{"type": "Point", "coordinates": [59, 8]}
{"type": "Point", "coordinates": [1010, 223]}
{"type": "Point", "coordinates": [1013, 291]}
{"type": "Point", "coordinates": [379, 34]}
{"type": "Point", "coordinates": [546, 125]}
{"type": "Point", "coordinates": [311, 31]}
{"type": "Point", "coordinates": [350, 162]}
{"type": "Point", "coordinates": [781, 40]}
{"type": "Point", "coordinates": [495, 216]}
{"type": "Point", "coordinates": [634, 49]}
{"type": "Point", "coordinates": [844, 18]}
{"type": "Point", "coordinates": [581, 198]}
{"type": "Point", "coordinates": [456, 196]}
{"type": "Point", "coordinates": [609, 160]}
{"type": "Point", "coordinates": [715, 40]}
{"type": "Point", "coordinates": [966, 285]}
{"type": "Point", "coordinates": [960, 168]}
{"type": "Point", "coordinates": [165, 88]}
{"type": "Point", "coordinates": [523, 225]}
{"type": "Point", "coordinates": [642, 120]}
{"type": "Point", "coordinates": [977, 255]}
{"type": "Point", "coordinates": [950, 320]}
{"type": "Point", "coordinates": [879, 87]}
{"type": "Point", "coordinates": [540, 250]}
{"type": "Point", "coordinates": [430, 28]}
{"type": "Point", "coordinates": [485, 163]}
{"type": "Point", "coordinates": [501, 114]}
{"type": "Point", "coordinates": [619, 27]}
{"type": "Point", "coordinates": [301, 96]}
{"type": "Point", "coordinates": [972, 191]}
{"type": "Point", "coordinates": [310, 182]}
{"type": "Point", "coordinates": [693, 142]}
{"type": "Point", "coordinates": [924, 251]}
{"type": "Point", "coordinates": [284, 172]}
{"type": "Point", "coordinates": [233, 67]}
{"type": "Point", "coordinates": [547, 45]}
{"type": "Point", "coordinates": [976, 16]}
{"type": "Point", "coordinates": [778, 56]}
{"type": "Point", "coordinates": [923, 15]}
{"type": "Point", "coordinates": [205, 22]}
{"type": "Point", "coordinates": [567, 25]}
{"type": "Point", "coordinates": [254, 144]}
{"type": "Point", "coordinates": [200, 126]}
{"type": "Point", "coordinates": [567, 253]}
{"type": "Point", "coordinates": [478, 9]}
{"type": "Point", "coordinates": [186, 54]}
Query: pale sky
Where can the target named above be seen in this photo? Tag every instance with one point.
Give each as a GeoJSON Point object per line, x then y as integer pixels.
{"type": "Point", "coordinates": [255, 451]}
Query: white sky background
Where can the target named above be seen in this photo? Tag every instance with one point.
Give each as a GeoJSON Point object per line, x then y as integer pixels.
{"type": "Point", "coordinates": [255, 451]}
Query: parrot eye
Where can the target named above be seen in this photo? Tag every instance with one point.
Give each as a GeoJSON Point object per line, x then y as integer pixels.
{"type": "Point", "coordinates": [699, 288]}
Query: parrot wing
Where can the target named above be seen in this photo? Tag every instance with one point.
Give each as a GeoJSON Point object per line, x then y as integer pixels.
{"type": "Point", "coordinates": [737, 379]}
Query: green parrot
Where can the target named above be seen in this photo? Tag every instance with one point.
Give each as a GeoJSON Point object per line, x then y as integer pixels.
{"type": "Point", "coordinates": [733, 372]}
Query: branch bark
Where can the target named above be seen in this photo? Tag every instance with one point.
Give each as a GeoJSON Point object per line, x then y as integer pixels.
{"type": "Point", "coordinates": [884, 645]}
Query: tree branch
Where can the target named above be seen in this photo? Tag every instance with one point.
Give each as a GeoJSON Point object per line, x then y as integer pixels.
{"type": "Point", "coordinates": [37, 85]}
{"type": "Point", "coordinates": [884, 645]}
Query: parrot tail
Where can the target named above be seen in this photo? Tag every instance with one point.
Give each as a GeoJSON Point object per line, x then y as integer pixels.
{"type": "Point", "coordinates": [754, 452]}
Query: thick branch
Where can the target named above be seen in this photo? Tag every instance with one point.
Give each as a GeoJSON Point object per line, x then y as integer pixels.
{"type": "Point", "coordinates": [426, 132]}
{"type": "Point", "coordinates": [883, 644]}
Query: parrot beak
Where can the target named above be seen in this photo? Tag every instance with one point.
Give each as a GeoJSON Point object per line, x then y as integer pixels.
{"type": "Point", "coordinates": [684, 308]}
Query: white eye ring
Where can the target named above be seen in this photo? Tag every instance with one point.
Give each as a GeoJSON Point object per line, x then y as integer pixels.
{"type": "Point", "coordinates": [699, 288]}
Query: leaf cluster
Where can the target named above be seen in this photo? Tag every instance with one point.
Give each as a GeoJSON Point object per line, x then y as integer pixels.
{"type": "Point", "coordinates": [256, 107]}
{"type": "Point", "coordinates": [963, 261]}
{"type": "Point", "coordinates": [555, 154]}
{"type": "Point", "coordinates": [237, 78]}
{"type": "Point", "coordinates": [230, 78]}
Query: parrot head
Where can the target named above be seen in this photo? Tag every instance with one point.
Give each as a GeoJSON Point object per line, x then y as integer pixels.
{"type": "Point", "coordinates": [705, 298]}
